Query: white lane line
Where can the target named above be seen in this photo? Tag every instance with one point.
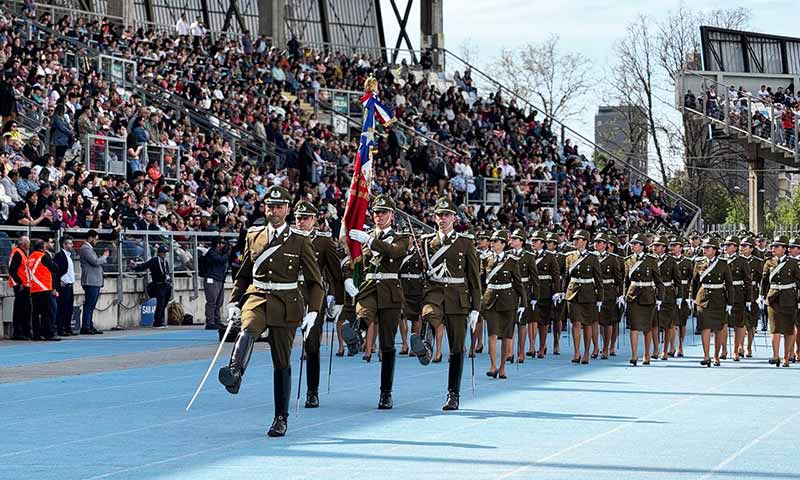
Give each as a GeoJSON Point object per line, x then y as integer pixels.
{"type": "Point", "coordinates": [619, 427]}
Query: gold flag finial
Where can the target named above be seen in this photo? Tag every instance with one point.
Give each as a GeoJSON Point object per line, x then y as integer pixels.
{"type": "Point", "coordinates": [371, 84]}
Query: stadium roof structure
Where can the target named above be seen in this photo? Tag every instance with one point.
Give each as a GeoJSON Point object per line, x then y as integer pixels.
{"type": "Point", "coordinates": [749, 52]}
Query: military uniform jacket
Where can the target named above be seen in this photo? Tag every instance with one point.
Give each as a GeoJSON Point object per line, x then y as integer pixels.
{"type": "Point", "coordinates": [670, 277]}
{"type": "Point", "coordinates": [549, 275]}
{"type": "Point", "coordinates": [453, 277]}
{"type": "Point", "coordinates": [528, 270]}
{"type": "Point", "coordinates": [504, 288]}
{"type": "Point", "coordinates": [756, 271]}
{"type": "Point", "coordinates": [346, 265]}
{"type": "Point", "coordinates": [411, 276]}
{"type": "Point", "coordinates": [779, 281]}
{"type": "Point", "coordinates": [613, 274]}
{"type": "Point", "coordinates": [708, 277]}
{"type": "Point", "coordinates": [382, 259]}
{"type": "Point", "coordinates": [643, 284]}
{"type": "Point", "coordinates": [741, 279]}
{"type": "Point", "coordinates": [583, 282]}
{"type": "Point", "coordinates": [483, 257]}
{"type": "Point", "coordinates": [268, 270]}
{"type": "Point", "coordinates": [329, 261]}
{"type": "Point", "coordinates": [686, 269]}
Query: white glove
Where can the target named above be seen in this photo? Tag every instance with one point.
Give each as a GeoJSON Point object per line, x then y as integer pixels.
{"type": "Point", "coordinates": [620, 301]}
{"type": "Point", "coordinates": [599, 306]}
{"type": "Point", "coordinates": [748, 306]}
{"type": "Point", "coordinates": [360, 236]}
{"type": "Point", "coordinates": [520, 313]}
{"type": "Point", "coordinates": [678, 302]}
{"type": "Point", "coordinates": [658, 305]}
{"type": "Point", "coordinates": [308, 322]}
{"type": "Point", "coordinates": [234, 312]}
{"type": "Point", "coordinates": [556, 298]}
{"type": "Point", "coordinates": [330, 301]}
{"type": "Point", "coordinates": [336, 310]}
{"type": "Point", "coordinates": [728, 309]}
{"type": "Point", "coordinates": [350, 287]}
{"type": "Point", "coordinates": [691, 303]}
{"type": "Point", "coordinates": [533, 304]}
{"type": "Point", "coordinates": [760, 301]}
{"type": "Point", "coordinates": [472, 319]}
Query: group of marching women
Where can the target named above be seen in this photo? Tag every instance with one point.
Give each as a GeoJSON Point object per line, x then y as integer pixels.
{"type": "Point", "coordinates": [516, 286]}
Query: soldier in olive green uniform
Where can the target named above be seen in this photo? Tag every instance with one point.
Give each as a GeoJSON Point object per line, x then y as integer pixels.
{"type": "Point", "coordinates": [644, 293]}
{"type": "Point", "coordinates": [761, 251]}
{"type": "Point", "coordinates": [549, 275]}
{"type": "Point", "coordinates": [695, 247]}
{"type": "Point", "coordinates": [530, 282]}
{"type": "Point", "coordinates": [583, 284]}
{"type": "Point", "coordinates": [613, 274]}
{"type": "Point", "coordinates": [794, 253]}
{"type": "Point", "coordinates": [380, 296]}
{"type": "Point", "coordinates": [349, 311]}
{"type": "Point", "coordinates": [559, 304]}
{"type": "Point", "coordinates": [266, 297]}
{"type": "Point", "coordinates": [411, 280]}
{"type": "Point", "coordinates": [451, 295]}
{"type": "Point", "coordinates": [742, 282]}
{"type": "Point", "coordinates": [503, 300]}
{"type": "Point", "coordinates": [329, 261]}
{"type": "Point", "coordinates": [779, 293]}
{"type": "Point", "coordinates": [686, 269]}
{"type": "Point", "coordinates": [746, 247]}
{"type": "Point", "coordinates": [483, 252]}
{"type": "Point", "coordinates": [712, 291]}
{"type": "Point", "coordinates": [613, 249]}
{"type": "Point", "coordinates": [671, 279]}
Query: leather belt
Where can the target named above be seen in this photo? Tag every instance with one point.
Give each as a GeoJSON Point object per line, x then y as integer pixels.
{"type": "Point", "coordinates": [382, 276]}
{"type": "Point", "coordinates": [448, 280]}
{"type": "Point", "coordinates": [498, 286]}
{"type": "Point", "coordinates": [274, 285]}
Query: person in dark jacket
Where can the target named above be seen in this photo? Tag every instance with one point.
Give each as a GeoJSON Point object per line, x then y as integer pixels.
{"type": "Point", "coordinates": [214, 287]}
{"type": "Point", "coordinates": [66, 295]}
{"type": "Point", "coordinates": [161, 282]}
{"type": "Point", "coordinates": [61, 133]}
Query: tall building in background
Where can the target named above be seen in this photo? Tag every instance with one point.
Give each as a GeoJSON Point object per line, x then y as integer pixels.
{"type": "Point", "coordinates": [622, 130]}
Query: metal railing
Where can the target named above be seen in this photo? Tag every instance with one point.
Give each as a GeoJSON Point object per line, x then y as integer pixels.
{"type": "Point", "coordinates": [167, 157]}
{"type": "Point", "coordinates": [106, 155]}
{"type": "Point", "coordinates": [121, 71]}
{"type": "Point", "coordinates": [488, 192]}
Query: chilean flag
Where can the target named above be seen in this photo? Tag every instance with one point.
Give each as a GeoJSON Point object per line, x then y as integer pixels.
{"type": "Point", "coordinates": [355, 213]}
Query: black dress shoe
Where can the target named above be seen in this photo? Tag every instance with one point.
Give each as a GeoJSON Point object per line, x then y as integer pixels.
{"type": "Point", "coordinates": [54, 338]}
{"type": "Point", "coordinates": [705, 363]}
{"type": "Point", "coordinates": [21, 338]}
{"type": "Point", "coordinates": [385, 402]}
{"type": "Point", "coordinates": [85, 331]}
{"type": "Point", "coordinates": [576, 360]}
{"type": "Point", "coordinates": [211, 327]}
{"type": "Point", "coordinates": [773, 361]}
{"type": "Point", "coordinates": [646, 362]}
{"type": "Point", "coordinates": [633, 362]}
{"type": "Point", "coordinates": [584, 362]}
{"type": "Point", "coordinates": [437, 359]}
{"type": "Point", "coordinates": [452, 402]}
{"type": "Point", "coordinates": [278, 428]}
{"type": "Point", "coordinates": [340, 354]}
{"type": "Point", "coordinates": [502, 377]}
{"type": "Point", "coordinates": [95, 331]}
{"type": "Point", "coordinates": [312, 399]}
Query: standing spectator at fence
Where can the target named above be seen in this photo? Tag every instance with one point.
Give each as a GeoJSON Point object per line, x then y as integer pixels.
{"type": "Point", "coordinates": [182, 27]}
{"type": "Point", "coordinates": [91, 281]}
{"type": "Point", "coordinates": [197, 29]}
{"type": "Point", "coordinates": [161, 283]}
{"type": "Point", "coordinates": [61, 133]}
{"type": "Point", "coordinates": [42, 271]}
{"type": "Point", "coordinates": [216, 265]}
{"type": "Point", "coordinates": [19, 281]}
{"type": "Point", "coordinates": [66, 271]}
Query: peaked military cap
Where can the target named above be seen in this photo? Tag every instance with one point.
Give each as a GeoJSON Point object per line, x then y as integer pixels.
{"type": "Point", "coordinates": [538, 235]}
{"type": "Point", "coordinates": [500, 235]}
{"type": "Point", "coordinates": [639, 238]}
{"type": "Point", "coordinates": [277, 195]}
{"type": "Point", "coordinates": [660, 240]}
{"type": "Point", "coordinates": [384, 203]}
{"type": "Point", "coordinates": [601, 237]}
{"type": "Point", "coordinates": [445, 205]}
{"type": "Point", "coordinates": [731, 240]}
{"type": "Point", "coordinates": [780, 240]}
{"type": "Point", "coordinates": [581, 234]}
{"type": "Point", "coordinates": [305, 209]}
{"type": "Point", "coordinates": [711, 242]}
{"type": "Point", "coordinates": [552, 237]}
{"type": "Point", "coordinates": [748, 241]}
{"type": "Point", "coordinates": [484, 234]}
{"type": "Point", "coordinates": [794, 242]}
{"type": "Point", "coordinates": [519, 233]}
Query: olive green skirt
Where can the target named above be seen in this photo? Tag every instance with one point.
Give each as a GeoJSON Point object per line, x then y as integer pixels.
{"type": "Point", "coordinates": [500, 324]}
{"type": "Point", "coordinates": [782, 319]}
{"type": "Point", "coordinates": [641, 317]}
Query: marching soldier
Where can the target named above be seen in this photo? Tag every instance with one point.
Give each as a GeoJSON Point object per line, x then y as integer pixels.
{"type": "Point", "coordinates": [346, 334]}
{"type": "Point", "coordinates": [644, 293]}
{"type": "Point", "coordinates": [451, 295]}
{"type": "Point", "coordinates": [612, 249]}
{"type": "Point", "coordinates": [530, 282]}
{"type": "Point", "coordinates": [559, 305]}
{"type": "Point", "coordinates": [686, 269]}
{"type": "Point", "coordinates": [613, 275]}
{"type": "Point", "coordinates": [667, 315]}
{"type": "Point", "coordinates": [779, 293]}
{"type": "Point", "coordinates": [742, 294]}
{"type": "Point", "coordinates": [761, 251]}
{"type": "Point", "coordinates": [380, 297]}
{"type": "Point", "coordinates": [621, 247]}
{"type": "Point", "coordinates": [329, 263]}
{"type": "Point", "coordinates": [265, 297]}
{"type": "Point", "coordinates": [583, 284]}
{"type": "Point", "coordinates": [712, 291]}
{"type": "Point", "coordinates": [794, 252]}
{"type": "Point", "coordinates": [756, 264]}
{"type": "Point", "coordinates": [411, 280]}
{"type": "Point", "coordinates": [695, 246]}
{"type": "Point", "coordinates": [503, 301]}
{"type": "Point", "coordinates": [483, 252]}
{"type": "Point", "coordinates": [549, 274]}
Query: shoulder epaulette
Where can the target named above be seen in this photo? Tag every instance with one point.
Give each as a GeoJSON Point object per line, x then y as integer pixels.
{"type": "Point", "coordinates": [325, 234]}
{"type": "Point", "coordinates": [299, 232]}
{"type": "Point", "coordinates": [428, 235]}
{"type": "Point", "coordinates": [467, 236]}
{"type": "Point", "coordinates": [614, 255]}
{"type": "Point", "coordinates": [513, 257]}
{"type": "Point", "coordinates": [486, 255]}
{"type": "Point", "coordinates": [255, 229]}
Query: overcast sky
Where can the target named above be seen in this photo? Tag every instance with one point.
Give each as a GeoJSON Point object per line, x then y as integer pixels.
{"type": "Point", "coordinates": [590, 27]}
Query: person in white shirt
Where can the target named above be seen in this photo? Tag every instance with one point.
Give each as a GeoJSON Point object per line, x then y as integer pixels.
{"type": "Point", "coordinates": [66, 268]}
{"type": "Point", "coordinates": [182, 27]}
{"type": "Point", "coordinates": [197, 29]}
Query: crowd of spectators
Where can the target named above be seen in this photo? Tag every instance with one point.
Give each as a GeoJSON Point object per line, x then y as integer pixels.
{"type": "Point", "coordinates": [455, 138]}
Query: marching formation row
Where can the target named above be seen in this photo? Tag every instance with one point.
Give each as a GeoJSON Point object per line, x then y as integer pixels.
{"type": "Point", "coordinates": [454, 282]}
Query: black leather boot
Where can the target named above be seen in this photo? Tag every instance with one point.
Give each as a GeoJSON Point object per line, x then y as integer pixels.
{"type": "Point", "coordinates": [281, 391]}
{"type": "Point", "coordinates": [312, 380]}
{"type": "Point", "coordinates": [387, 379]}
{"type": "Point", "coordinates": [454, 381]}
{"type": "Point", "coordinates": [231, 376]}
